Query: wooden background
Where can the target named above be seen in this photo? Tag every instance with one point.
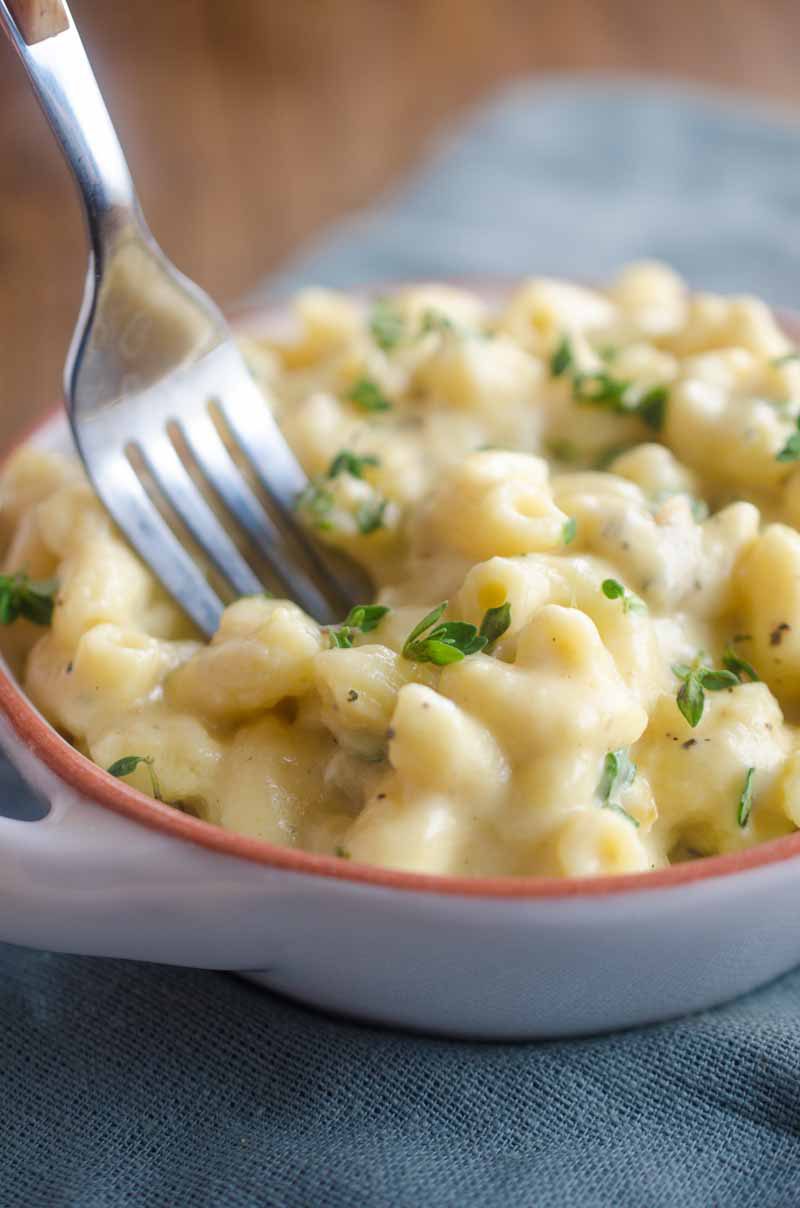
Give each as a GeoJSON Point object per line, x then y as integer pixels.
{"type": "Point", "coordinates": [251, 123]}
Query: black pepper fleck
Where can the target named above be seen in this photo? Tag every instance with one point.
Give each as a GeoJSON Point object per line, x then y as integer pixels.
{"type": "Point", "coordinates": [69, 667]}
{"type": "Point", "coordinates": [352, 695]}
{"type": "Point", "coordinates": [776, 637]}
{"type": "Point", "coordinates": [690, 742]}
{"type": "Point", "coordinates": [381, 796]}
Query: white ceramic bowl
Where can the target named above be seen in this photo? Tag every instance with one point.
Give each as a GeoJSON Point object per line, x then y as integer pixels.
{"type": "Point", "coordinates": [110, 872]}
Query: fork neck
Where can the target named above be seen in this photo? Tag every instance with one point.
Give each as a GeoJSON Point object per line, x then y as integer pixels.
{"type": "Point", "coordinates": [67, 91]}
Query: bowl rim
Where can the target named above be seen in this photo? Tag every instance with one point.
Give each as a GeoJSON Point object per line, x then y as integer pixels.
{"type": "Point", "coordinates": [101, 789]}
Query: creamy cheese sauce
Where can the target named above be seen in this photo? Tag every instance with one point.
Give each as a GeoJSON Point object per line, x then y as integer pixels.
{"type": "Point", "coordinates": [604, 485]}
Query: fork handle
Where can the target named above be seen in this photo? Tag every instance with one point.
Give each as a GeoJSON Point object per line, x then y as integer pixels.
{"type": "Point", "coordinates": [45, 38]}
{"type": "Point", "coordinates": [38, 19]}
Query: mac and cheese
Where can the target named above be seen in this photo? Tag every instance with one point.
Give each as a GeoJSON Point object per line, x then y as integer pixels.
{"type": "Point", "coordinates": [605, 488]}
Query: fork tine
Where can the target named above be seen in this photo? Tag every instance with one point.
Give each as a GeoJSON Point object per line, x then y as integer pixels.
{"type": "Point", "coordinates": [221, 471]}
{"type": "Point", "coordinates": [257, 433]}
{"type": "Point", "coordinates": [148, 532]}
{"type": "Point", "coordinates": [280, 474]}
{"type": "Point", "coordinates": [175, 482]}
{"type": "Point", "coordinates": [264, 444]}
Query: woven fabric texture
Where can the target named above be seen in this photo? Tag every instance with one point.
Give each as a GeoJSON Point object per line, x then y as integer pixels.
{"type": "Point", "coordinates": [125, 1083]}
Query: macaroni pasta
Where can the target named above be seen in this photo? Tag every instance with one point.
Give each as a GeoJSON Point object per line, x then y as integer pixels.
{"type": "Point", "coordinates": [604, 488]}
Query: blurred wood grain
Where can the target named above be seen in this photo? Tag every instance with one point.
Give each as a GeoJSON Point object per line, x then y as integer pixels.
{"type": "Point", "coordinates": [249, 124]}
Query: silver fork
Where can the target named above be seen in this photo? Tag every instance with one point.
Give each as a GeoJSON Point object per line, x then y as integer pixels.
{"type": "Point", "coordinates": [155, 383]}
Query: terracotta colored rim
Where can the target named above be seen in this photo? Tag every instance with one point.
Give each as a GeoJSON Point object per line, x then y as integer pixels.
{"type": "Point", "coordinates": [103, 790]}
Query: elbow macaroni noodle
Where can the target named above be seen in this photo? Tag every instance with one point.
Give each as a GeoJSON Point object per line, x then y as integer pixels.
{"type": "Point", "coordinates": [618, 467]}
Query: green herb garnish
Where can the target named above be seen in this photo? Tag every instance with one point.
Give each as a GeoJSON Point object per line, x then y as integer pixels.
{"type": "Point", "coordinates": [739, 666]}
{"type": "Point", "coordinates": [563, 358]}
{"type": "Point", "coordinates": [697, 679]}
{"type": "Point", "coordinates": [341, 639]}
{"type": "Point", "coordinates": [619, 771]}
{"type": "Point", "coordinates": [652, 407]}
{"type": "Point", "coordinates": [129, 763]}
{"type": "Point", "coordinates": [368, 395]}
{"type": "Point", "coordinates": [601, 389]}
{"type": "Point", "coordinates": [347, 462]}
{"type": "Point", "coordinates": [369, 516]}
{"type": "Point", "coordinates": [342, 852]}
{"type": "Point", "coordinates": [495, 622]}
{"type": "Point", "coordinates": [569, 530]}
{"type": "Point", "coordinates": [613, 590]}
{"type": "Point", "coordinates": [365, 617]}
{"type": "Point", "coordinates": [435, 320]}
{"type": "Point", "coordinates": [746, 798]}
{"type": "Point", "coordinates": [449, 642]}
{"type": "Point", "coordinates": [614, 394]}
{"type": "Point", "coordinates": [386, 324]}
{"type": "Point", "coordinates": [791, 450]}
{"type": "Point", "coordinates": [619, 809]}
{"type": "Point", "coordinates": [317, 503]}
{"type": "Point", "coordinates": [785, 358]}
{"type": "Point", "coordinates": [21, 596]}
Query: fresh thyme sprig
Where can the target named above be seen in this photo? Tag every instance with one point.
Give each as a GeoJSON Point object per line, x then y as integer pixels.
{"type": "Point", "coordinates": [569, 530]}
{"type": "Point", "coordinates": [613, 590]}
{"type": "Point", "coordinates": [364, 617]}
{"type": "Point", "coordinates": [347, 462]}
{"type": "Point", "coordinates": [129, 763]}
{"type": "Point", "coordinates": [451, 641]}
{"type": "Point", "coordinates": [619, 771]}
{"type": "Point", "coordinates": [386, 324]}
{"type": "Point", "coordinates": [603, 389]}
{"type": "Point", "coordinates": [21, 596]}
{"type": "Point", "coordinates": [697, 678]}
{"type": "Point", "coordinates": [495, 623]}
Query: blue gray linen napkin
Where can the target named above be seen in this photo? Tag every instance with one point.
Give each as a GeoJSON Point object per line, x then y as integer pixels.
{"type": "Point", "coordinates": [132, 1083]}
